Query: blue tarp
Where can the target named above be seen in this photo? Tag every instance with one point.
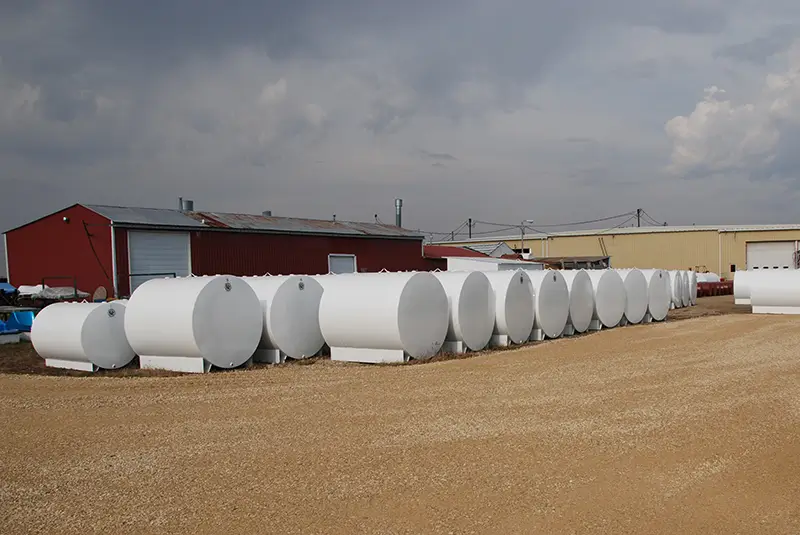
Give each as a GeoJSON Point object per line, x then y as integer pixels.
{"type": "Point", "coordinates": [5, 329]}
{"type": "Point", "coordinates": [7, 288]}
{"type": "Point", "coordinates": [20, 321]}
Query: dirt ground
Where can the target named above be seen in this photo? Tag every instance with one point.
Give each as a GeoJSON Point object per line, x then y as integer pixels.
{"type": "Point", "coordinates": [680, 427]}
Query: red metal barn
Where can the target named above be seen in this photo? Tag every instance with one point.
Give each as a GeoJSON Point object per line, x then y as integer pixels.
{"type": "Point", "coordinates": [119, 248]}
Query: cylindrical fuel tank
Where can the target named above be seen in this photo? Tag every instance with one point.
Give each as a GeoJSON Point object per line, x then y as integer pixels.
{"type": "Point", "coordinates": [581, 298]}
{"type": "Point", "coordinates": [609, 296]}
{"type": "Point", "coordinates": [216, 318]}
{"type": "Point", "coordinates": [710, 277]}
{"type": "Point", "coordinates": [741, 286]}
{"type": "Point", "coordinates": [471, 306]}
{"type": "Point", "coordinates": [514, 304]}
{"type": "Point", "coordinates": [775, 292]}
{"type": "Point", "coordinates": [636, 297]}
{"type": "Point", "coordinates": [290, 307]}
{"type": "Point", "coordinates": [405, 311]}
{"type": "Point", "coordinates": [83, 332]}
{"type": "Point", "coordinates": [692, 287]}
{"type": "Point", "coordinates": [676, 288]}
{"type": "Point", "coordinates": [551, 301]}
{"type": "Point", "coordinates": [686, 296]}
{"type": "Point", "coordinates": [659, 295]}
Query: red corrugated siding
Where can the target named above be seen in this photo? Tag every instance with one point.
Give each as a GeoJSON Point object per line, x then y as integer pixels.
{"type": "Point", "coordinates": [50, 247]}
{"type": "Point", "coordinates": [256, 254]}
{"type": "Point", "coordinates": [123, 269]}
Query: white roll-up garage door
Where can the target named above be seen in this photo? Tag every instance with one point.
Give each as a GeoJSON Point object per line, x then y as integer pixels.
{"type": "Point", "coordinates": [771, 255]}
{"type": "Point", "coordinates": [157, 254]}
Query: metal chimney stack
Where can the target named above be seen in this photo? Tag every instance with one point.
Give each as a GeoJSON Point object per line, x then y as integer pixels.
{"type": "Point", "coordinates": [186, 205]}
{"type": "Point", "coordinates": [398, 212]}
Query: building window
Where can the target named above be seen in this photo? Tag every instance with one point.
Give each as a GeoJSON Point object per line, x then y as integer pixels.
{"type": "Point", "coordinates": [342, 263]}
{"type": "Point", "coordinates": [526, 250]}
{"type": "Point", "coordinates": [733, 268]}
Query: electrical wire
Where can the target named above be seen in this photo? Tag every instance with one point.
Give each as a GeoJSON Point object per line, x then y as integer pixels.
{"type": "Point", "coordinates": [652, 220]}
{"type": "Point", "coordinates": [576, 223]}
{"type": "Point", "coordinates": [96, 256]}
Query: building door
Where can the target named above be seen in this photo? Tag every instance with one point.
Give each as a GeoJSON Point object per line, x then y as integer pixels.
{"type": "Point", "coordinates": [341, 263]}
{"type": "Point", "coordinates": [771, 255]}
{"type": "Point", "coordinates": [157, 254]}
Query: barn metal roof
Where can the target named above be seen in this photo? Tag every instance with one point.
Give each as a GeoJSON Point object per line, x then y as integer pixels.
{"type": "Point", "coordinates": [145, 216]}
{"type": "Point", "coordinates": [444, 251]}
{"type": "Point", "coordinates": [163, 217]}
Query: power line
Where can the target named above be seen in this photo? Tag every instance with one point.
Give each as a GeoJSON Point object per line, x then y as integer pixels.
{"type": "Point", "coordinates": [651, 219]}
{"type": "Point", "coordinates": [576, 223]}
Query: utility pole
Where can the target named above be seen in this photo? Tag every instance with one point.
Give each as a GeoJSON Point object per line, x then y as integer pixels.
{"type": "Point", "coordinates": [638, 217]}
{"type": "Point", "coordinates": [469, 224]}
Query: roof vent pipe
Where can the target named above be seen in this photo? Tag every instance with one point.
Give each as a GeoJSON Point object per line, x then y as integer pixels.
{"type": "Point", "coordinates": [187, 205]}
{"type": "Point", "coordinates": [398, 212]}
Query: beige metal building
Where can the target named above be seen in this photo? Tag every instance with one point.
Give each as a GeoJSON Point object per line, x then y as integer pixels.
{"type": "Point", "coordinates": [721, 249]}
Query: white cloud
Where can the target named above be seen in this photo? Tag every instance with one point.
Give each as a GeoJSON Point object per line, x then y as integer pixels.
{"type": "Point", "coordinates": [720, 136]}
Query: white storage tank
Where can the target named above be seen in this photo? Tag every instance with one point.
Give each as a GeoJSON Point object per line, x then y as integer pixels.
{"type": "Point", "coordinates": [609, 298]}
{"type": "Point", "coordinates": [775, 292]}
{"type": "Point", "coordinates": [514, 306]}
{"type": "Point", "coordinates": [290, 306]}
{"type": "Point", "coordinates": [581, 300]}
{"type": "Point", "coordinates": [471, 310]}
{"type": "Point", "coordinates": [692, 287]}
{"type": "Point", "coordinates": [636, 294]}
{"type": "Point", "coordinates": [686, 296]}
{"type": "Point", "coordinates": [551, 303]}
{"type": "Point", "coordinates": [189, 324]}
{"type": "Point", "coordinates": [82, 336]}
{"type": "Point", "coordinates": [383, 317]}
{"type": "Point", "coordinates": [659, 295]}
{"type": "Point", "coordinates": [676, 288]}
{"type": "Point", "coordinates": [741, 286]}
{"type": "Point", "coordinates": [707, 277]}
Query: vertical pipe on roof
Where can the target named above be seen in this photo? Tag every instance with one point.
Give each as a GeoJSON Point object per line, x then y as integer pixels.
{"type": "Point", "coordinates": [398, 212]}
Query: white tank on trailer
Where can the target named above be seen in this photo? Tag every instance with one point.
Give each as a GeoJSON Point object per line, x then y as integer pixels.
{"type": "Point", "coordinates": [383, 317]}
{"type": "Point", "coordinates": [707, 277]}
{"type": "Point", "coordinates": [741, 286]}
{"type": "Point", "coordinates": [676, 288]}
{"type": "Point", "coordinates": [775, 292]}
{"type": "Point", "coordinates": [692, 287]}
{"type": "Point", "coordinates": [609, 298]}
{"type": "Point", "coordinates": [659, 295]}
{"type": "Point", "coordinates": [290, 307]}
{"type": "Point", "coordinates": [471, 310]}
{"type": "Point", "coordinates": [514, 306]}
{"type": "Point", "coordinates": [189, 324]}
{"type": "Point", "coordinates": [581, 300]}
{"type": "Point", "coordinates": [636, 295]}
{"type": "Point", "coordinates": [686, 296]}
{"type": "Point", "coordinates": [82, 336]}
{"type": "Point", "coordinates": [551, 303]}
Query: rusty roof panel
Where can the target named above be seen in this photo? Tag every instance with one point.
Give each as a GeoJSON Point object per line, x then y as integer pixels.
{"type": "Point", "coordinates": [163, 217]}
{"type": "Point", "coordinates": [311, 226]}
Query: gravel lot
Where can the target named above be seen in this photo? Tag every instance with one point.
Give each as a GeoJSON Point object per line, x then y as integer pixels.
{"type": "Point", "coordinates": [683, 427]}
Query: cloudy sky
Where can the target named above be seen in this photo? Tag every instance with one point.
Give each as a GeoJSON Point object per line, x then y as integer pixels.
{"type": "Point", "coordinates": [498, 110]}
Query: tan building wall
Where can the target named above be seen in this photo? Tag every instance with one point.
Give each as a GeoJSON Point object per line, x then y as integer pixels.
{"type": "Point", "coordinates": [702, 250]}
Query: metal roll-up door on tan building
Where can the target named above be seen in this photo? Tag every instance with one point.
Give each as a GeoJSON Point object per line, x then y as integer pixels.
{"type": "Point", "coordinates": [157, 255]}
{"type": "Point", "coordinates": [771, 255]}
